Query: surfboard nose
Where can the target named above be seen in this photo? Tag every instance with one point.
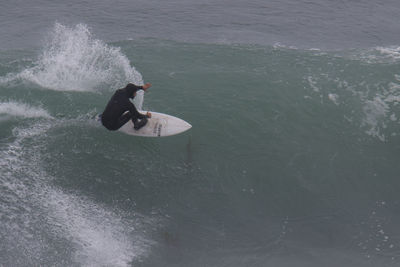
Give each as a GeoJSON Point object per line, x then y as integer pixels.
{"type": "Point", "coordinates": [187, 125]}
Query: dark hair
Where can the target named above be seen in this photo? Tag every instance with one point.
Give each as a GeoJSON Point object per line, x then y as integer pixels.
{"type": "Point", "coordinates": [131, 89]}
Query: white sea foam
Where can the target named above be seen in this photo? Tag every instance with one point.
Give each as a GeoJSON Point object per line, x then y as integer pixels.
{"type": "Point", "coordinates": [16, 204]}
{"type": "Point", "coordinates": [375, 113]}
{"type": "Point", "coordinates": [101, 237]}
{"type": "Point", "coordinates": [390, 54]}
{"type": "Point", "coordinates": [380, 111]}
{"type": "Point", "coordinates": [30, 205]}
{"type": "Point", "coordinates": [313, 83]}
{"type": "Point", "coordinates": [334, 98]}
{"type": "Point", "coordinates": [379, 102]}
{"type": "Point", "coordinates": [18, 109]}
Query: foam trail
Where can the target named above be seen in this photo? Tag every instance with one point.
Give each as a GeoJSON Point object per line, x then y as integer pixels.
{"type": "Point", "coordinates": [13, 108]}
{"type": "Point", "coordinates": [36, 215]}
{"type": "Point", "coordinates": [17, 206]}
{"type": "Point", "coordinates": [100, 237]}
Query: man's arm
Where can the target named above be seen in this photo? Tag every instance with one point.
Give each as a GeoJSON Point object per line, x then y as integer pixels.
{"type": "Point", "coordinates": [133, 111]}
{"type": "Point", "coordinates": [132, 107]}
{"type": "Point", "coordinates": [145, 87]}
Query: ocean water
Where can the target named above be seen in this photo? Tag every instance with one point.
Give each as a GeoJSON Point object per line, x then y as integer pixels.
{"type": "Point", "coordinates": [293, 155]}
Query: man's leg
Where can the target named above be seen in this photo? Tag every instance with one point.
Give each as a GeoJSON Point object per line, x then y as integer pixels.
{"type": "Point", "coordinates": [139, 123]}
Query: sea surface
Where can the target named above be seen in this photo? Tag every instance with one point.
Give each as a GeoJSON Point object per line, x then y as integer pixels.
{"type": "Point", "coordinates": [292, 161]}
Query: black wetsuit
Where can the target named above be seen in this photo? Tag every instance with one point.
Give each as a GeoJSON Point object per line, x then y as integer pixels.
{"type": "Point", "coordinates": [120, 110]}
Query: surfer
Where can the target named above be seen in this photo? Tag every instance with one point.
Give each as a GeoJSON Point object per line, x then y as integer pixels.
{"type": "Point", "coordinates": [120, 110]}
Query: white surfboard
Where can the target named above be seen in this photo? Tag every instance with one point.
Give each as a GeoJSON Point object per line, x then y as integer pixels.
{"type": "Point", "coordinates": [158, 125]}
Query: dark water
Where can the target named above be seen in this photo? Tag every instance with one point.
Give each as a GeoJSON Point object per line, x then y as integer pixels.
{"type": "Point", "coordinates": [304, 23]}
{"type": "Point", "coordinates": [291, 161]}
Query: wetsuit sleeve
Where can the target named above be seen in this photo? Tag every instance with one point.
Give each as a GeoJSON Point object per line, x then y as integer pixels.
{"type": "Point", "coordinates": [138, 87]}
{"type": "Point", "coordinates": [134, 112]}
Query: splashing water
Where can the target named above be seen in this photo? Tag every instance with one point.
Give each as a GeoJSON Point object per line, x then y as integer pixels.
{"type": "Point", "coordinates": [22, 110]}
{"type": "Point", "coordinates": [74, 61]}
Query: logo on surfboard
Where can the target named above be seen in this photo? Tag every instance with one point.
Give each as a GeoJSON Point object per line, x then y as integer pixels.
{"type": "Point", "coordinates": [157, 129]}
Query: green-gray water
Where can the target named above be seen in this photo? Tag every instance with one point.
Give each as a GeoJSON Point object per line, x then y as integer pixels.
{"type": "Point", "coordinates": [292, 159]}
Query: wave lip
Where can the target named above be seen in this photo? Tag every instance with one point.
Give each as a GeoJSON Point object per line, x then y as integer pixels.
{"type": "Point", "coordinates": [17, 109]}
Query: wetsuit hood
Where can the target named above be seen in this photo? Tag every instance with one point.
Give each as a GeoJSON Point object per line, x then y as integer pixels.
{"type": "Point", "coordinates": [130, 89]}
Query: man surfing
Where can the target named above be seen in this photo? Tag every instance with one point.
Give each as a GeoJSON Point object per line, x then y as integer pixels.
{"type": "Point", "coordinates": [120, 109]}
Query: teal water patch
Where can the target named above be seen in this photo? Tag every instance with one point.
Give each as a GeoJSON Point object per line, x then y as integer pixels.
{"type": "Point", "coordinates": [291, 158]}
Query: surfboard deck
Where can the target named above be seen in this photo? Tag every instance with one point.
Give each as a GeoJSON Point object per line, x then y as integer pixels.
{"type": "Point", "coordinates": [159, 125]}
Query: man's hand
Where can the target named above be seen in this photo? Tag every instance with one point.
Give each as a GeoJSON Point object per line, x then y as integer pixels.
{"type": "Point", "coordinates": [148, 114]}
{"type": "Point", "coordinates": [146, 86]}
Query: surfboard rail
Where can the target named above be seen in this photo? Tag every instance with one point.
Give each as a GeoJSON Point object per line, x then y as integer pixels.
{"type": "Point", "coordinates": [159, 125]}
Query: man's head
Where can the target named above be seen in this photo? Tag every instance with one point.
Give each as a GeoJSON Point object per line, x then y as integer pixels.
{"type": "Point", "coordinates": [131, 90]}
